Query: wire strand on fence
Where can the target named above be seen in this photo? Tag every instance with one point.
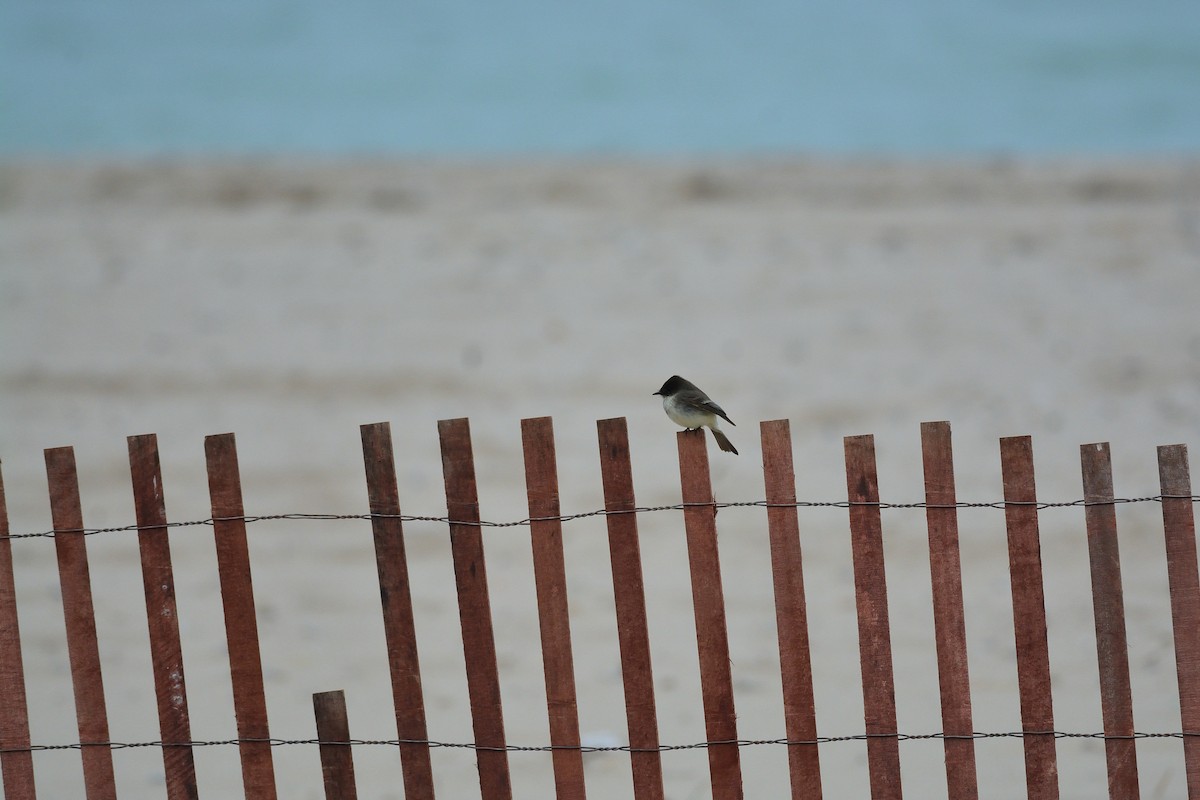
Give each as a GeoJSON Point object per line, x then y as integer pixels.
{"type": "Point", "coordinates": [621, 748]}
{"type": "Point", "coordinates": [329, 517]}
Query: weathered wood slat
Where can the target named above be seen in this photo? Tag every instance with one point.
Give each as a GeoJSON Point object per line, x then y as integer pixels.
{"type": "Point", "coordinates": [395, 594]}
{"type": "Point", "coordinates": [1108, 603]}
{"type": "Point", "coordinates": [241, 619]}
{"type": "Point", "coordinates": [791, 611]}
{"type": "Point", "coordinates": [15, 762]}
{"type": "Point", "coordinates": [874, 632]}
{"type": "Point", "coordinates": [337, 760]}
{"type": "Point", "coordinates": [550, 578]}
{"type": "Point", "coordinates": [475, 609]}
{"type": "Point", "coordinates": [630, 597]}
{"type": "Point", "coordinates": [166, 652]}
{"type": "Point", "coordinates": [82, 646]}
{"type": "Point", "coordinates": [1183, 577]}
{"type": "Point", "coordinates": [708, 602]}
{"type": "Point", "coordinates": [1029, 617]}
{"type": "Point", "coordinates": [949, 622]}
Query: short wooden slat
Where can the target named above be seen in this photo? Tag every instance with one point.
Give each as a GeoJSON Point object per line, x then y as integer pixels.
{"type": "Point", "coordinates": [15, 762]}
{"type": "Point", "coordinates": [474, 606]}
{"type": "Point", "coordinates": [630, 596]}
{"type": "Point", "coordinates": [708, 602]}
{"type": "Point", "coordinates": [949, 623]}
{"type": "Point", "coordinates": [874, 632]}
{"type": "Point", "coordinates": [1112, 649]}
{"type": "Point", "coordinates": [1029, 617]}
{"type": "Point", "coordinates": [398, 626]}
{"type": "Point", "coordinates": [791, 614]}
{"type": "Point", "coordinates": [241, 621]}
{"type": "Point", "coordinates": [166, 653]}
{"type": "Point", "coordinates": [1183, 576]}
{"type": "Point", "coordinates": [82, 646]}
{"type": "Point", "coordinates": [337, 758]}
{"type": "Point", "coordinates": [550, 577]}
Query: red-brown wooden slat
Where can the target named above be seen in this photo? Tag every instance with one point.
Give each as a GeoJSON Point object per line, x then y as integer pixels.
{"type": "Point", "coordinates": [550, 577]}
{"type": "Point", "coordinates": [474, 607]}
{"type": "Point", "coordinates": [949, 623]}
{"type": "Point", "coordinates": [337, 760]}
{"type": "Point", "coordinates": [166, 653]}
{"type": "Point", "coordinates": [629, 594]}
{"type": "Point", "coordinates": [1029, 617]}
{"type": "Point", "coordinates": [399, 630]}
{"type": "Point", "coordinates": [82, 646]}
{"type": "Point", "coordinates": [791, 614]}
{"type": "Point", "coordinates": [1183, 576]}
{"type": "Point", "coordinates": [874, 633]}
{"type": "Point", "coordinates": [1112, 649]}
{"type": "Point", "coordinates": [16, 763]}
{"type": "Point", "coordinates": [708, 602]}
{"type": "Point", "coordinates": [241, 622]}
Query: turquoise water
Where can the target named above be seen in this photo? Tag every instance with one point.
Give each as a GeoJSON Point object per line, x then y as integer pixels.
{"type": "Point", "coordinates": [533, 76]}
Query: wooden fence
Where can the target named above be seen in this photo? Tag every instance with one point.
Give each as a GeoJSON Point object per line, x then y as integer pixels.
{"type": "Point", "coordinates": [645, 752]}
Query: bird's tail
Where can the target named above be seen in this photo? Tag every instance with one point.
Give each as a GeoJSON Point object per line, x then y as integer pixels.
{"type": "Point", "coordinates": [723, 442]}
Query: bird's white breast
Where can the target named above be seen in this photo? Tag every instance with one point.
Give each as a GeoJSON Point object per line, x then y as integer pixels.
{"type": "Point", "coordinates": [685, 415]}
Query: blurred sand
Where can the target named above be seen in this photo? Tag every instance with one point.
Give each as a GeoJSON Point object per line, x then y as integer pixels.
{"type": "Point", "coordinates": [292, 302]}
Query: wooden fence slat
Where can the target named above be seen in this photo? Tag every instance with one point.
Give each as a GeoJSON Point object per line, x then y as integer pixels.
{"type": "Point", "coordinates": [874, 632]}
{"type": "Point", "coordinates": [708, 603]}
{"type": "Point", "coordinates": [550, 577]}
{"type": "Point", "coordinates": [82, 646]}
{"type": "Point", "coordinates": [337, 759]}
{"type": "Point", "coordinates": [241, 622]}
{"type": "Point", "coordinates": [949, 622]}
{"type": "Point", "coordinates": [791, 612]}
{"type": "Point", "coordinates": [1179, 525]}
{"type": "Point", "coordinates": [15, 762]}
{"type": "Point", "coordinates": [474, 607]}
{"type": "Point", "coordinates": [166, 653]}
{"type": "Point", "coordinates": [395, 594]}
{"type": "Point", "coordinates": [629, 594]}
{"type": "Point", "coordinates": [1108, 603]}
{"type": "Point", "coordinates": [1029, 617]}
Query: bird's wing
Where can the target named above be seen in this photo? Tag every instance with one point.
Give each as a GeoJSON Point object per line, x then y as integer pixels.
{"type": "Point", "coordinates": [711, 407]}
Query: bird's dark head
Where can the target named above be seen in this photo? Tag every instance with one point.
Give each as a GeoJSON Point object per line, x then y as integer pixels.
{"type": "Point", "coordinates": [673, 385]}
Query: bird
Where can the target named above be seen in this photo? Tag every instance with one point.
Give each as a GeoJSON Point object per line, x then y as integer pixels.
{"type": "Point", "coordinates": [686, 405]}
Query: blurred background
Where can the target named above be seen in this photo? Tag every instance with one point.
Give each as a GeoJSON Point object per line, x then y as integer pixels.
{"type": "Point", "coordinates": [536, 77]}
{"type": "Point", "coordinates": [288, 219]}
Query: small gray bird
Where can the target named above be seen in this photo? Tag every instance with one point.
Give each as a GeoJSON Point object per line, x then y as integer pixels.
{"type": "Point", "coordinates": [686, 405]}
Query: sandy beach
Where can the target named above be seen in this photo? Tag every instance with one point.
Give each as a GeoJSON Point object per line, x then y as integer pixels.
{"type": "Point", "coordinates": [290, 302]}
